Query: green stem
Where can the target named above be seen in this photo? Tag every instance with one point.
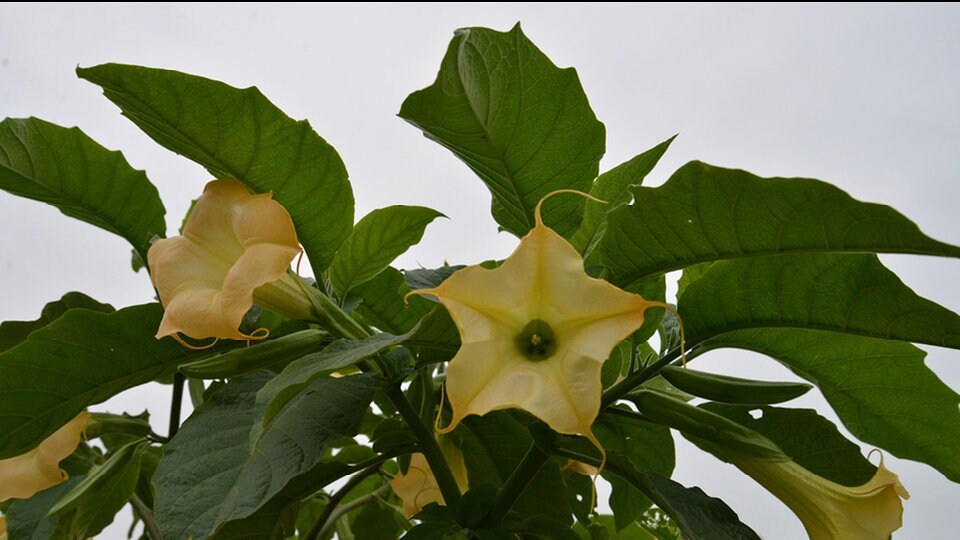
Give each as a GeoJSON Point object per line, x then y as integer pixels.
{"type": "Point", "coordinates": [518, 480]}
{"type": "Point", "coordinates": [346, 508]}
{"type": "Point", "coordinates": [333, 319]}
{"type": "Point", "coordinates": [325, 521]}
{"type": "Point", "coordinates": [637, 378]}
{"type": "Point", "coordinates": [175, 405]}
{"type": "Point", "coordinates": [146, 516]}
{"type": "Point", "coordinates": [428, 446]}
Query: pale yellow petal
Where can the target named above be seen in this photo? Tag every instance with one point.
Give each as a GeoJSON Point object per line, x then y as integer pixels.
{"type": "Point", "coordinates": [543, 280]}
{"type": "Point", "coordinates": [233, 243]}
{"type": "Point", "coordinates": [830, 511]}
{"type": "Point", "coordinates": [418, 487]}
{"type": "Point", "coordinates": [24, 475]}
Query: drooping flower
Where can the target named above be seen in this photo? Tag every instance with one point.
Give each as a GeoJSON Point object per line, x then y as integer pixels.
{"type": "Point", "coordinates": [830, 511]}
{"type": "Point", "coordinates": [534, 333]}
{"type": "Point", "coordinates": [418, 487]}
{"type": "Point", "coordinates": [236, 249]}
{"type": "Point", "coordinates": [24, 475]}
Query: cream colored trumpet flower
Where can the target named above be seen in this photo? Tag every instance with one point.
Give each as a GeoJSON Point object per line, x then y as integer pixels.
{"type": "Point", "coordinates": [830, 511]}
{"type": "Point", "coordinates": [418, 488]}
{"type": "Point", "coordinates": [534, 333]}
{"type": "Point", "coordinates": [23, 476]}
{"type": "Point", "coordinates": [235, 251]}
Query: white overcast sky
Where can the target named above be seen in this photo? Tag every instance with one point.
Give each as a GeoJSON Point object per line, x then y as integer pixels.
{"type": "Point", "coordinates": [862, 96]}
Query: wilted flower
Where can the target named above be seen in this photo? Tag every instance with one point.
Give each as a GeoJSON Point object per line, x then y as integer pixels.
{"type": "Point", "coordinates": [419, 487]}
{"type": "Point", "coordinates": [235, 251]}
{"type": "Point", "coordinates": [24, 475]}
{"type": "Point", "coordinates": [830, 511]}
{"type": "Point", "coordinates": [535, 333]}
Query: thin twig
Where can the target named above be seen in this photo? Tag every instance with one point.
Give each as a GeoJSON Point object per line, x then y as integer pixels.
{"type": "Point", "coordinates": [146, 516]}
{"type": "Point", "coordinates": [344, 509]}
{"type": "Point", "coordinates": [335, 499]}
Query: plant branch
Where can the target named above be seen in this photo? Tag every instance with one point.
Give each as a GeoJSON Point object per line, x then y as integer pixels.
{"type": "Point", "coordinates": [637, 378]}
{"type": "Point", "coordinates": [175, 404]}
{"type": "Point", "coordinates": [428, 445]}
{"type": "Point", "coordinates": [518, 480]}
{"type": "Point", "coordinates": [146, 516]}
{"type": "Point", "coordinates": [321, 525]}
{"type": "Point", "coordinates": [347, 508]}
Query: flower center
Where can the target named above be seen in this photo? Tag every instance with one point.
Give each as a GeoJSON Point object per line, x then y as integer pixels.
{"type": "Point", "coordinates": [536, 341]}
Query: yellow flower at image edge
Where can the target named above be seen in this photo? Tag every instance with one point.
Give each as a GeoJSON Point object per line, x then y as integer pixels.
{"type": "Point", "coordinates": [236, 249]}
{"type": "Point", "coordinates": [418, 488]}
{"type": "Point", "coordinates": [24, 475]}
{"type": "Point", "coordinates": [830, 511]}
{"type": "Point", "coordinates": [535, 333]}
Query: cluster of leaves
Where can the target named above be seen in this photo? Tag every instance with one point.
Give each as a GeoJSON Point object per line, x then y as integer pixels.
{"type": "Point", "coordinates": [782, 266]}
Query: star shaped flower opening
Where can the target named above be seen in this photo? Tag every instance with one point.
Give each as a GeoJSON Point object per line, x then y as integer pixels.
{"type": "Point", "coordinates": [235, 251]}
{"type": "Point", "coordinates": [534, 333]}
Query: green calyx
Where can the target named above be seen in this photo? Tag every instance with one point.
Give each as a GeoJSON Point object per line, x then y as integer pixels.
{"type": "Point", "coordinates": [537, 341]}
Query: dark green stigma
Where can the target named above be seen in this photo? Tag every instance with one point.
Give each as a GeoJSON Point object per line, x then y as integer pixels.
{"type": "Point", "coordinates": [536, 341]}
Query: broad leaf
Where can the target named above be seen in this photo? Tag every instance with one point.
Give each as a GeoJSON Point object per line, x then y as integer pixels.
{"type": "Point", "coordinates": [28, 519]}
{"type": "Point", "coordinates": [297, 376]}
{"type": "Point", "coordinates": [493, 446]}
{"type": "Point", "coordinates": [613, 188]}
{"type": "Point", "coordinates": [91, 505]}
{"type": "Point", "coordinates": [522, 124]}
{"type": "Point", "coordinates": [810, 440]}
{"type": "Point", "coordinates": [240, 134]}
{"type": "Point", "coordinates": [428, 278]}
{"type": "Point", "coordinates": [705, 213]}
{"type": "Point", "coordinates": [65, 168]}
{"type": "Point", "coordinates": [379, 238]}
{"type": "Point", "coordinates": [82, 358]}
{"type": "Point", "coordinates": [209, 476]}
{"type": "Point", "coordinates": [844, 293]}
{"type": "Point", "coordinates": [382, 303]}
{"type": "Point", "coordinates": [14, 332]}
{"type": "Point", "coordinates": [699, 516]}
{"type": "Point", "coordinates": [646, 446]}
{"type": "Point", "coordinates": [881, 390]}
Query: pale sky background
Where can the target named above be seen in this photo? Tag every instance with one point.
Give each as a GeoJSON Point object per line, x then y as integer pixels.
{"type": "Point", "coordinates": [862, 96]}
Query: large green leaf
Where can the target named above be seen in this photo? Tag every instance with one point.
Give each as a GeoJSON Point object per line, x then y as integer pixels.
{"type": "Point", "coordinates": [82, 358]}
{"type": "Point", "coordinates": [493, 446]}
{"type": "Point", "coordinates": [880, 389]}
{"type": "Point", "coordinates": [240, 134]}
{"type": "Point", "coordinates": [297, 376]}
{"type": "Point", "coordinates": [522, 124]}
{"type": "Point", "coordinates": [379, 238]}
{"type": "Point", "coordinates": [810, 440]}
{"type": "Point", "coordinates": [699, 516]}
{"type": "Point", "coordinates": [65, 168]}
{"type": "Point", "coordinates": [645, 445]}
{"type": "Point", "coordinates": [28, 519]}
{"type": "Point", "coordinates": [705, 213]}
{"type": "Point", "coordinates": [91, 505]}
{"type": "Point", "coordinates": [15, 332]}
{"type": "Point", "coordinates": [853, 294]}
{"type": "Point", "coordinates": [613, 188]}
{"type": "Point", "coordinates": [382, 303]}
{"type": "Point", "coordinates": [210, 476]}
